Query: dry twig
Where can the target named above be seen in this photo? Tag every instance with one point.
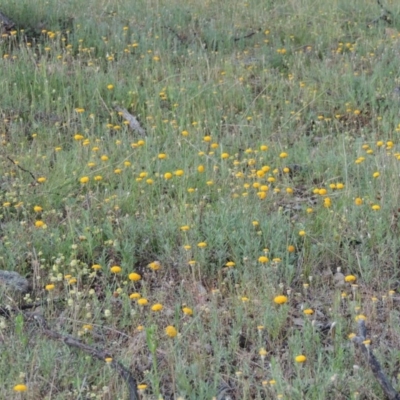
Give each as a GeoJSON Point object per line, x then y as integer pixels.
{"type": "Point", "coordinates": [132, 121]}
{"type": "Point", "coordinates": [376, 368]}
{"type": "Point", "coordinates": [71, 341]}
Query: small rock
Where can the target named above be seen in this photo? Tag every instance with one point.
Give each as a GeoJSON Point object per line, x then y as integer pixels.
{"type": "Point", "coordinates": [11, 280]}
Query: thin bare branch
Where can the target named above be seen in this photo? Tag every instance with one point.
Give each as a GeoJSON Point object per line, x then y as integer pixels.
{"type": "Point", "coordinates": [132, 121]}
{"type": "Point", "coordinates": [102, 355]}
{"type": "Point", "coordinates": [376, 368]}
{"type": "Point", "coordinates": [21, 168]}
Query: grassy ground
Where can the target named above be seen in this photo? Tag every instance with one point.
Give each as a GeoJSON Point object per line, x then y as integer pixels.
{"type": "Point", "coordinates": [270, 166]}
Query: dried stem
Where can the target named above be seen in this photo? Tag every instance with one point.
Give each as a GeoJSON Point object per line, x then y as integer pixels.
{"type": "Point", "coordinates": [373, 363]}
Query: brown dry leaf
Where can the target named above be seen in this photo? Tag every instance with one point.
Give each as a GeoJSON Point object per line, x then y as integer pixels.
{"type": "Point", "coordinates": [339, 279]}
{"type": "Point", "coordinates": [326, 275]}
{"type": "Point", "coordinates": [298, 321]}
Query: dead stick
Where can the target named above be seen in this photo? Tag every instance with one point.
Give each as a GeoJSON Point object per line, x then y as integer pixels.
{"type": "Point", "coordinates": [373, 363]}
{"type": "Point", "coordinates": [22, 169]}
{"type": "Point", "coordinates": [99, 354]}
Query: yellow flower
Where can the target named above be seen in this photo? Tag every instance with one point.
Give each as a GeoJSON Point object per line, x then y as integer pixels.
{"type": "Point", "coordinates": [104, 158]}
{"type": "Point", "coordinates": [224, 155]}
{"type": "Point", "coordinates": [187, 311]}
{"type": "Point", "coordinates": [135, 296]}
{"type": "Point", "coordinates": [84, 179]}
{"type": "Point", "coordinates": [291, 249]}
{"type": "Point", "coordinates": [162, 156]}
{"type": "Point", "coordinates": [327, 202]}
{"type": "Point", "coordinates": [49, 287]}
{"type": "Point", "coordinates": [376, 174]}
{"type": "Point", "coordinates": [280, 299]}
{"type": "Point", "coordinates": [376, 207]}
{"type": "Point", "coordinates": [358, 201]}
{"type": "Point", "coordinates": [300, 358]}
{"type": "Point", "coordinates": [200, 168]}
{"type": "Point", "coordinates": [143, 302]}
{"type": "Point", "coordinates": [207, 138]}
{"type": "Point", "coordinates": [37, 209]}
{"type": "Point", "coordinates": [87, 327]}
{"type": "Point", "coordinates": [96, 267]}
{"type": "Point", "coordinates": [230, 264]}
{"type": "Point", "coordinates": [350, 278]}
{"type": "Point", "coordinates": [142, 387]}
{"type": "Point", "coordinates": [360, 317]}
{"type": "Point", "coordinates": [134, 277]}
{"type": "Point", "coordinates": [263, 147]}
{"type": "Point", "coordinates": [108, 360]}
{"type": "Point", "coordinates": [20, 388]}
{"type": "Point", "coordinates": [110, 87]}
{"type": "Point", "coordinates": [308, 311]}
{"type": "Point", "coordinates": [302, 233]}
{"type": "Point", "coordinates": [39, 224]}
{"type": "Point", "coordinates": [283, 155]}
{"type": "Point", "coordinates": [98, 178]}
{"type": "Point", "coordinates": [155, 265]}
{"type": "Point", "coordinates": [262, 352]}
{"type": "Point", "coordinates": [42, 179]}
{"type": "Point", "coordinates": [115, 269]}
{"type": "Point", "coordinates": [185, 228]}
{"type": "Point", "coordinates": [179, 172]}
{"type": "Point", "coordinates": [157, 307]}
{"type": "Point", "coordinates": [202, 245]}
{"type": "Point", "coordinates": [78, 136]}
{"type": "Point", "coordinates": [168, 175]}
{"type": "Point", "coordinates": [261, 195]}
{"type": "Point", "coordinates": [171, 331]}
{"type": "Point", "coordinates": [263, 259]}
{"type": "Point", "coordinates": [185, 133]}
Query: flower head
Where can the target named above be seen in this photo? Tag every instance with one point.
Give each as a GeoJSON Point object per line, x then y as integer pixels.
{"type": "Point", "coordinates": [171, 331]}
{"type": "Point", "coordinates": [155, 265]}
{"type": "Point", "coordinates": [300, 358]}
{"type": "Point", "coordinates": [157, 307]}
{"type": "Point", "coordinates": [142, 302]}
{"type": "Point", "coordinates": [280, 299]}
{"type": "Point", "coordinates": [187, 311]}
{"type": "Point", "coordinates": [350, 278]}
{"type": "Point", "coordinates": [20, 388]}
{"type": "Point", "coordinates": [134, 277]}
{"type": "Point", "coordinates": [115, 269]}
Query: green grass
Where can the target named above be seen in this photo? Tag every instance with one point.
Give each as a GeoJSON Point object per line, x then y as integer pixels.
{"type": "Point", "coordinates": [249, 80]}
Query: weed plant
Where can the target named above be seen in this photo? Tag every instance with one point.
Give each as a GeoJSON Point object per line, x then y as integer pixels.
{"type": "Point", "coordinates": [230, 249]}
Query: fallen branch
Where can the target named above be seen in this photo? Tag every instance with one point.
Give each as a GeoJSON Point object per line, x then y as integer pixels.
{"type": "Point", "coordinates": [132, 121]}
{"type": "Point", "coordinates": [249, 35]}
{"type": "Point", "coordinates": [376, 368]}
{"type": "Point", "coordinates": [386, 15]}
{"type": "Point", "coordinates": [22, 169]}
{"type": "Point", "coordinates": [102, 355]}
{"type": "Point", "coordinates": [6, 25]}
